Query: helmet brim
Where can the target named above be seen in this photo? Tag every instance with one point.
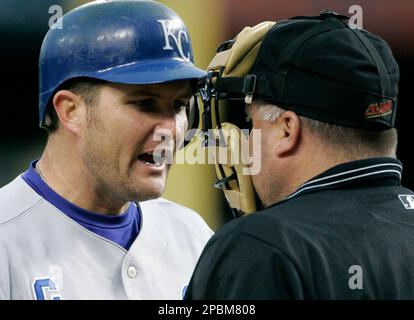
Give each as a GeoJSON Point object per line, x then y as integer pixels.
{"type": "Point", "coordinates": [150, 72]}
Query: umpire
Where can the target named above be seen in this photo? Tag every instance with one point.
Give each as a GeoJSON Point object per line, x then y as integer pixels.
{"type": "Point", "coordinates": [335, 221]}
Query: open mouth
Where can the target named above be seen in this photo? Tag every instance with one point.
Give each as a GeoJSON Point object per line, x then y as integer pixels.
{"type": "Point", "coordinates": [151, 159]}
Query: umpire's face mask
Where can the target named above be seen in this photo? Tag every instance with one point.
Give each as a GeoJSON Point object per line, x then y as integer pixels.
{"type": "Point", "coordinates": [224, 94]}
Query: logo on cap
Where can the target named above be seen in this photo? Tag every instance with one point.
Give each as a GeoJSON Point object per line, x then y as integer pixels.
{"type": "Point", "coordinates": [379, 109]}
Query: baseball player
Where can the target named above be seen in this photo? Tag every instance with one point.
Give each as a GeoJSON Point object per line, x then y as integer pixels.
{"type": "Point", "coordinates": [334, 221]}
{"type": "Point", "coordinates": [86, 221]}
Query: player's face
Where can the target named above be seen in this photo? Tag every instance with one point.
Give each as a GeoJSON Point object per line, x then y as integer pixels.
{"type": "Point", "coordinates": [120, 139]}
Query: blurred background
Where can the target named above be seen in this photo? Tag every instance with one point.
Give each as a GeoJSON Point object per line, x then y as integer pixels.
{"type": "Point", "coordinates": [23, 24]}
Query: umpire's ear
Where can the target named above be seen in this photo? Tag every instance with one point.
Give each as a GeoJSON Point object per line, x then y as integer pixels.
{"type": "Point", "coordinates": [70, 109]}
{"type": "Point", "coordinates": [289, 128]}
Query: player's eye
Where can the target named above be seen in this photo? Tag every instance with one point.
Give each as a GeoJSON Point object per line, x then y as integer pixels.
{"type": "Point", "coordinates": [145, 104]}
{"type": "Point", "coordinates": [179, 106]}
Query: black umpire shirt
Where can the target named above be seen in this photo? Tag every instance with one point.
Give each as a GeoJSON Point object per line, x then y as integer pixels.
{"type": "Point", "coordinates": [346, 234]}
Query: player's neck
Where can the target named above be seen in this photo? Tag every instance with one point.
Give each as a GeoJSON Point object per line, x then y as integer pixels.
{"type": "Point", "coordinates": [63, 172]}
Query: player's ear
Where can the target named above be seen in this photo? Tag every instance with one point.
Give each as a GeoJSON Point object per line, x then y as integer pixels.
{"type": "Point", "coordinates": [289, 127]}
{"type": "Point", "coordinates": [70, 110]}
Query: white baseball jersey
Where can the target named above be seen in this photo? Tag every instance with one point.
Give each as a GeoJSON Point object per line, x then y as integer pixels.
{"type": "Point", "coordinates": [44, 254]}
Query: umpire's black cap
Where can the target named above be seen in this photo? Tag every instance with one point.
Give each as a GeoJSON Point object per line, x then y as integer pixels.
{"type": "Point", "coordinates": [322, 69]}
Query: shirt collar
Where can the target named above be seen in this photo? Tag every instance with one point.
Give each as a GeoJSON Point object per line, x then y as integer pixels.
{"type": "Point", "coordinates": [386, 171]}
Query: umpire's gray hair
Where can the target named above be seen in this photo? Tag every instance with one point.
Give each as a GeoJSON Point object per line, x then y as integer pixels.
{"type": "Point", "coordinates": [354, 143]}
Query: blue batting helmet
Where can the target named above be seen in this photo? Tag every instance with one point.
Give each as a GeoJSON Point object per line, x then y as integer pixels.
{"type": "Point", "coordinates": [121, 41]}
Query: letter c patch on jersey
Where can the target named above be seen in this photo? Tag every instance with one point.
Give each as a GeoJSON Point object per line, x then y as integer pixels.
{"type": "Point", "coordinates": [45, 289]}
{"type": "Point", "coordinates": [183, 291]}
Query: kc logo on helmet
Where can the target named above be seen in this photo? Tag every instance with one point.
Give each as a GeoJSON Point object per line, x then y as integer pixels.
{"type": "Point", "coordinates": [169, 28]}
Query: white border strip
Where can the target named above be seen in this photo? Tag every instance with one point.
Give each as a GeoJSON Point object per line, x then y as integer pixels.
{"type": "Point", "coordinates": [350, 171]}
{"type": "Point", "coordinates": [343, 180]}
